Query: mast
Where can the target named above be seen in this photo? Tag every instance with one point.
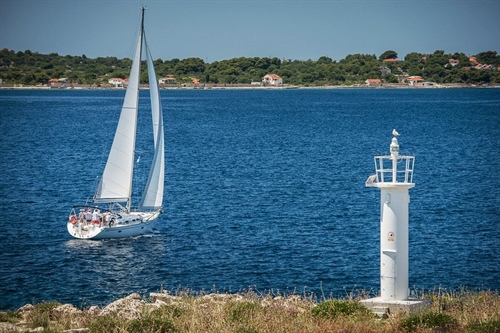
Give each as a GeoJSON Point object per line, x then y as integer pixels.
{"type": "Point", "coordinates": [143, 9]}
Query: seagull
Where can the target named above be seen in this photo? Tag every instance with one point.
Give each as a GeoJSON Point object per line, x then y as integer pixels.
{"type": "Point", "coordinates": [395, 133]}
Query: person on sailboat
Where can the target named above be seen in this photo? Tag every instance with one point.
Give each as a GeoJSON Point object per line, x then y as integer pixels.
{"type": "Point", "coordinates": [107, 220]}
{"type": "Point", "coordinates": [88, 216]}
{"type": "Point", "coordinates": [95, 216]}
{"type": "Point", "coordinates": [81, 216]}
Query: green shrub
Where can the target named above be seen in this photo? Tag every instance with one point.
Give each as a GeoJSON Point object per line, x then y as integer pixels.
{"type": "Point", "coordinates": [40, 316]}
{"type": "Point", "coordinates": [333, 309]}
{"type": "Point", "coordinates": [109, 324]}
{"type": "Point", "coordinates": [158, 321]}
{"type": "Point", "coordinates": [170, 311]}
{"type": "Point", "coordinates": [151, 324]}
{"type": "Point", "coordinates": [428, 320]}
{"type": "Point", "coordinates": [10, 317]}
{"type": "Point", "coordinates": [246, 330]}
{"type": "Point", "coordinates": [242, 311]}
{"type": "Point", "coordinates": [486, 327]}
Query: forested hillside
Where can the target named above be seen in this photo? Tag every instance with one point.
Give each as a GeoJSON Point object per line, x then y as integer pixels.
{"type": "Point", "coordinates": [31, 68]}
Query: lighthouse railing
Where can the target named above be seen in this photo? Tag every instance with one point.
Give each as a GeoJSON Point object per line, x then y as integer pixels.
{"type": "Point", "coordinates": [389, 172]}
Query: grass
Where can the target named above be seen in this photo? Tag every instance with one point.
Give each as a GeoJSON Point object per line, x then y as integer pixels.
{"type": "Point", "coordinates": [449, 311]}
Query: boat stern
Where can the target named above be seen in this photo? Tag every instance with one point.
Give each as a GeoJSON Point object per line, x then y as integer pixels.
{"type": "Point", "coordinates": [83, 230]}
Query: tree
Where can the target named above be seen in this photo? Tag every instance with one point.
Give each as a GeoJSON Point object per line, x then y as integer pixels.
{"type": "Point", "coordinates": [389, 54]}
{"type": "Point", "coordinates": [390, 78]}
{"type": "Point", "coordinates": [415, 70]}
{"type": "Point", "coordinates": [438, 58]}
{"type": "Point", "coordinates": [324, 60]}
{"type": "Point", "coordinates": [190, 66]}
{"type": "Point", "coordinates": [414, 57]}
{"type": "Point", "coordinates": [489, 57]}
{"type": "Point", "coordinates": [263, 63]}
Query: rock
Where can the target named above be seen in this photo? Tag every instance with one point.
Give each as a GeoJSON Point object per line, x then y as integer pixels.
{"type": "Point", "coordinates": [66, 309]}
{"type": "Point", "coordinates": [127, 308]}
{"type": "Point", "coordinates": [38, 329]}
{"type": "Point", "coordinates": [8, 327]}
{"type": "Point", "coordinates": [25, 309]}
{"type": "Point", "coordinates": [164, 297]}
{"type": "Point", "coordinates": [222, 298]}
{"type": "Point", "coordinates": [94, 310]}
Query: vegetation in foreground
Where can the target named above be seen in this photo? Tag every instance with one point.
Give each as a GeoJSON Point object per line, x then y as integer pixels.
{"type": "Point", "coordinates": [461, 311]}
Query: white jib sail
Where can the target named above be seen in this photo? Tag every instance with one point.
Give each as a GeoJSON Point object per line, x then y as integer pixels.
{"type": "Point", "coordinates": [116, 181]}
{"type": "Point", "coordinates": [152, 197]}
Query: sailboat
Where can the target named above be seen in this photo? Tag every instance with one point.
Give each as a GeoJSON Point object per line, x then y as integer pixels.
{"type": "Point", "coordinates": [111, 214]}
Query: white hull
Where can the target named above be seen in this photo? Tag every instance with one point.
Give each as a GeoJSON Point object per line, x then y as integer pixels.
{"type": "Point", "coordinates": [133, 224]}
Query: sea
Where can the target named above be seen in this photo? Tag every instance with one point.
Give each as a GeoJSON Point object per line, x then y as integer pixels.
{"type": "Point", "coordinates": [264, 192]}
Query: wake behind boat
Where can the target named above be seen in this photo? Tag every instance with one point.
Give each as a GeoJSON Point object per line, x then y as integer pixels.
{"type": "Point", "coordinates": [115, 218]}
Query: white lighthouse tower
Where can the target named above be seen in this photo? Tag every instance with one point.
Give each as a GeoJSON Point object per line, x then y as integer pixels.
{"type": "Point", "coordinates": [394, 177]}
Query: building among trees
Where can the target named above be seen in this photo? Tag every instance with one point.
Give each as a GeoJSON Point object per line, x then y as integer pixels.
{"type": "Point", "coordinates": [272, 80]}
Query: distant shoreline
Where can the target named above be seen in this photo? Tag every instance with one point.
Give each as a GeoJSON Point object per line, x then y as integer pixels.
{"type": "Point", "coordinates": [252, 87]}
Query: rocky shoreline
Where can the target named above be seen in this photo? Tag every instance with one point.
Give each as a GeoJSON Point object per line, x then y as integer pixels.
{"type": "Point", "coordinates": [134, 307]}
{"type": "Point", "coordinates": [248, 312]}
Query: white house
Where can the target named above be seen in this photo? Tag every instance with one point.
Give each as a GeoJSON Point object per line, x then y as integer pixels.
{"type": "Point", "coordinates": [272, 80]}
{"type": "Point", "coordinates": [167, 80]}
{"type": "Point", "coordinates": [59, 83]}
{"type": "Point", "coordinates": [415, 80]}
{"type": "Point", "coordinates": [116, 82]}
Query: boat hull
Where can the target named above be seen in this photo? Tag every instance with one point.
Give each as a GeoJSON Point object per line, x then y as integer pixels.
{"type": "Point", "coordinates": [128, 225]}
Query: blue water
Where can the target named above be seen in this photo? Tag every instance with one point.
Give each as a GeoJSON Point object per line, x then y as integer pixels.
{"type": "Point", "coordinates": [264, 191]}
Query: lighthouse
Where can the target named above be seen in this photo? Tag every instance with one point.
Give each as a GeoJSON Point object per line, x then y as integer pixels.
{"type": "Point", "coordinates": [394, 177]}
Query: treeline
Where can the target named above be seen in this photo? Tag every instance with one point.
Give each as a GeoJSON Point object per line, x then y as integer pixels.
{"type": "Point", "coordinates": [32, 68]}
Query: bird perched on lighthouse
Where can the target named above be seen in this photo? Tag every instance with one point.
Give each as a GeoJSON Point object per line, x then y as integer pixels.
{"type": "Point", "coordinates": [395, 133]}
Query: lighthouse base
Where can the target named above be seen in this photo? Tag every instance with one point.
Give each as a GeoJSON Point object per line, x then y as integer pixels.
{"type": "Point", "coordinates": [384, 308]}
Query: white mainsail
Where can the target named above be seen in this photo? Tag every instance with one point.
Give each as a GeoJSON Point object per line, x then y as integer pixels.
{"type": "Point", "coordinates": [116, 180]}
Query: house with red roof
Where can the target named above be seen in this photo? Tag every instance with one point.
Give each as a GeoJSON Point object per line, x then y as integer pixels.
{"type": "Point", "coordinates": [414, 80]}
{"type": "Point", "coordinates": [54, 83]}
{"type": "Point", "coordinates": [373, 82]}
{"type": "Point", "coordinates": [167, 80]}
{"type": "Point", "coordinates": [58, 83]}
{"type": "Point", "coordinates": [272, 80]}
{"type": "Point", "coordinates": [117, 82]}
{"type": "Point", "coordinates": [484, 67]}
